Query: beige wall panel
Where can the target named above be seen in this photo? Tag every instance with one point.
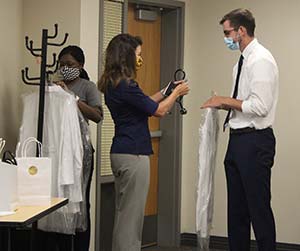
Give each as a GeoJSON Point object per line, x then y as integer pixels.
{"type": "Point", "coordinates": [43, 14]}
{"type": "Point", "coordinates": [209, 67]}
{"type": "Point", "coordinates": [10, 63]}
{"type": "Point", "coordinates": [89, 42]}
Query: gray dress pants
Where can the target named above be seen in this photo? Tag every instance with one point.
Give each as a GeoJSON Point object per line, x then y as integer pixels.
{"type": "Point", "coordinates": [132, 175]}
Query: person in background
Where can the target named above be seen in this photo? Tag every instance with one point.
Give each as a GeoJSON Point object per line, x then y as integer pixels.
{"type": "Point", "coordinates": [75, 78]}
{"type": "Point", "coordinates": [130, 109]}
{"type": "Point", "coordinates": [251, 149]}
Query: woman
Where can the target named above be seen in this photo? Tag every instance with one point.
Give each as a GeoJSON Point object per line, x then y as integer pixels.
{"type": "Point", "coordinates": [76, 80]}
{"type": "Point", "coordinates": [131, 147]}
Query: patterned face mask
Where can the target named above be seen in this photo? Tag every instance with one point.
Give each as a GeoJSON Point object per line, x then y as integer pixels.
{"type": "Point", "coordinates": [69, 73]}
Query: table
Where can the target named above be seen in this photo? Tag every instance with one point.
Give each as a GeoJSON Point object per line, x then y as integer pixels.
{"type": "Point", "coordinates": [26, 215]}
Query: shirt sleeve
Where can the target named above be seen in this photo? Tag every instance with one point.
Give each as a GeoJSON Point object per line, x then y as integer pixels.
{"type": "Point", "coordinates": [262, 81]}
{"type": "Point", "coordinates": [93, 95]}
{"type": "Point", "coordinates": [133, 95]}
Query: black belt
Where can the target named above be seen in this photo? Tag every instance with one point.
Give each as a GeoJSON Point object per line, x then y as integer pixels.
{"type": "Point", "coordinates": [242, 130]}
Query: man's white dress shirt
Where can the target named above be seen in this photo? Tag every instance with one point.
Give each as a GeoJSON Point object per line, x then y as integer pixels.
{"type": "Point", "coordinates": [258, 88]}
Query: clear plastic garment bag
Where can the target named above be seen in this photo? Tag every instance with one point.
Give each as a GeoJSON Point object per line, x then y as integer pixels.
{"type": "Point", "coordinates": [208, 135]}
{"type": "Point", "coordinates": [65, 140]}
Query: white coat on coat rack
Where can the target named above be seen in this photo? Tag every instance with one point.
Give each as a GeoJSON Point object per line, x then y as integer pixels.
{"type": "Point", "coordinates": [62, 142]}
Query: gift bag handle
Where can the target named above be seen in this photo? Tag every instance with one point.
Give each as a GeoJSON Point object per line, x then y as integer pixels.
{"type": "Point", "coordinates": [26, 144]}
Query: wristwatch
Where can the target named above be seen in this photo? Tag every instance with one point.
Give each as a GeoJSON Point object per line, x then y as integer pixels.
{"type": "Point", "coordinates": [162, 91]}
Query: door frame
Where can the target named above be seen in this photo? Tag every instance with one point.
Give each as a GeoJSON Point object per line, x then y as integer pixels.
{"type": "Point", "coordinates": [170, 150]}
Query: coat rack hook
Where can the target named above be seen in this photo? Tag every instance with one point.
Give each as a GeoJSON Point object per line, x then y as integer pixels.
{"type": "Point", "coordinates": [24, 75]}
{"type": "Point", "coordinates": [62, 43]}
{"type": "Point", "coordinates": [55, 32]}
{"type": "Point", "coordinates": [30, 78]}
{"type": "Point", "coordinates": [54, 61]}
{"type": "Point", "coordinates": [32, 51]}
{"type": "Point", "coordinates": [26, 43]}
{"type": "Point", "coordinates": [56, 66]}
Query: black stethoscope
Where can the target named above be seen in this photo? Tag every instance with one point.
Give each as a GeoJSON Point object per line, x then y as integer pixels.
{"type": "Point", "coordinates": [180, 75]}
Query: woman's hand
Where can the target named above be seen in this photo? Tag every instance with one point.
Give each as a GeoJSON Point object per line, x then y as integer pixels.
{"type": "Point", "coordinates": [182, 88]}
{"type": "Point", "coordinates": [62, 84]}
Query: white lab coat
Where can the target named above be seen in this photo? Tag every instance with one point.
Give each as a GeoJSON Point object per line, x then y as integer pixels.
{"type": "Point", "coordinates": [62, 142]}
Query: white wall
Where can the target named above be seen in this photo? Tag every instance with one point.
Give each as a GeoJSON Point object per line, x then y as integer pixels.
{"type": "Point", "coordinates": [209, 65]}
{"type": "Point", "coordinates": [10, 61]}
{"type": "Point", "coordinates": [44, 14]}
{"type": "Point", "coordinates": [89, 42]}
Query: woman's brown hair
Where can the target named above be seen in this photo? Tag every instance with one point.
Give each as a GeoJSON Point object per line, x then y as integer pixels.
{"type": "Point", "coordinates": [120, 60]}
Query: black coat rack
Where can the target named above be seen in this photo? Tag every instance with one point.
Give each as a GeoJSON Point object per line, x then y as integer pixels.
{"type": "Point", "coordinates": [44, 71]}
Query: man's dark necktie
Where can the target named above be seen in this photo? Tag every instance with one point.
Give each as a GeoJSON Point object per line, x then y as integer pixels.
{"type": "Point", "coordinates": [235, 92]}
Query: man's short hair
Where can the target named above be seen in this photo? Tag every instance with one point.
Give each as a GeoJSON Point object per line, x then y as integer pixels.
{"type": "Point", "coordinates": [240, 17]}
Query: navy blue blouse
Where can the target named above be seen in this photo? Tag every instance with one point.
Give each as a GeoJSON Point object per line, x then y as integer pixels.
{"type": "Point", "coordinates": [130, 109]}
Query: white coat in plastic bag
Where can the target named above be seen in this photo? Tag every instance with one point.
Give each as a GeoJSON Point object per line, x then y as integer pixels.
{"type": "Point", "coordinates": [205, 191]}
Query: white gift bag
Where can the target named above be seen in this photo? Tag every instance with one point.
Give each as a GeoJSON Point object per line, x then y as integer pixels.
{"type": "Point", "coordinates": [34, 177]}
{"type": "Point", "coordinates": [8, 188]}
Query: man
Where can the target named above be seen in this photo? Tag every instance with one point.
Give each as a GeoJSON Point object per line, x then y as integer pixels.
{"type": "Point", "coordinates": [251, 148]}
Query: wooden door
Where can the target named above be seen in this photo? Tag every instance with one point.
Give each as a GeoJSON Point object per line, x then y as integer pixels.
{"type": "Point", "coordinates": [148, 78]}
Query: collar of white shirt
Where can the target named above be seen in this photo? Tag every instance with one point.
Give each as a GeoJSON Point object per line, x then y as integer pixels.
{"type": "Point", "coordinates": [249, 48]}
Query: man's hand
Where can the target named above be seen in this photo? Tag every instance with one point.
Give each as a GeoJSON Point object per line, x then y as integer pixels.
{"type": "Point", "coordinates": [215, 102]}
{"type": "Point", "coordinates": [224, 103]}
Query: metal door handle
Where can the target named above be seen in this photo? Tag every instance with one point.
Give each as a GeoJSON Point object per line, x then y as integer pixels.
{"type": "Point", "coordinates": [156, 134]}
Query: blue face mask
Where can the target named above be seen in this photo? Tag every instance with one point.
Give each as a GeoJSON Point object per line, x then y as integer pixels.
{"type": "Point", "coordinates": [231, 44]}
